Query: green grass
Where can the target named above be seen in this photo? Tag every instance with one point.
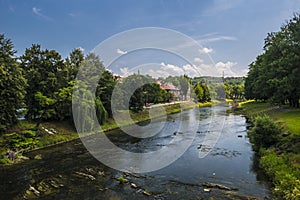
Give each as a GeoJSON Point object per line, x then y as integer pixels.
{"type": "Point", "coordinates": [281, 162]}
{"type": "Point", "coordinates": [288, 117]}
{"type": "Point", "coordinates": [290, 120]}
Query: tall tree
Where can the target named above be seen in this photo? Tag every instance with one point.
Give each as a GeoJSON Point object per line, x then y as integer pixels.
{"type": "Point", "coordinates": [46, 73]}
{"type": "Point", "coordinates": [73, 62]}
{"type": "Point", "coordinates": [275, 74]}
{"type": "Point", "coordinates": [12, 83]}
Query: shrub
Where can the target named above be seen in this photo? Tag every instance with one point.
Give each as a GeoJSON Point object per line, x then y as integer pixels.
{"type": "Point", "coordinates": [265, 133]}
{"type": "Point", "coordinates": [284, 176]}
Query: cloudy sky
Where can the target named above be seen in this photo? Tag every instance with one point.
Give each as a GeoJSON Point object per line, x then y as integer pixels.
{"type": "Point", "coordinates": [232, 32]}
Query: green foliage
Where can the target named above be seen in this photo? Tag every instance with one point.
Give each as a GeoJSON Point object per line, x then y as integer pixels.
{"type": "Point", "coordinates": [12, 83]}
{"type": "Point", "coordinates": [135, 98]}
{"type": "Point", "coordinates": [290, 120]}
{"type": "Point", "coordinates": [234, 88]}
{"type": "Point", "coordinates": [122, 179]}
{"type": "Point", "coordinates": [284, 176]}
{"type": "Point", "coordinates": [46, 73]}
{"type": "Point", "coordinates": [73, 63]}
{"type": "Point", "coordinates": [265, 133]}
{"type": "Point", "coordinates": [5, 160]}
{"type": "Point", "coordinates": [100, 112]}
{"type": "Point", "coordinates": [21, 140]}
{"type": "Point", "coordinates": [105, 88]}
{"type": "Point", "coordinates": [274, 75]}
{"type": "Point", "coordinates": [202, 92]}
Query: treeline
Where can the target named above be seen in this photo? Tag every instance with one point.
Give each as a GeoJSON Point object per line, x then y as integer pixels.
{"type": "Point", "coordinates": [274, 75]}
{"type": "Point", "coordinates": [219, 88]}
{"type": "Point", "coordinates": [42, 82]}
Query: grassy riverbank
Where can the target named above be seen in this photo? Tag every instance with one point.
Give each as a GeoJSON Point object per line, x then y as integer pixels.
{"type": "Point", "coordinates": [25, 137]}
{"type": "Point", "coordinates": [281, 160]}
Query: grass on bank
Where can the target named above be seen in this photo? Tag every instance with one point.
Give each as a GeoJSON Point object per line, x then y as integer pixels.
{"type": "Point", "coordinates": [280, 161]}
{"type": "Point", "coordinates": [288, 117]}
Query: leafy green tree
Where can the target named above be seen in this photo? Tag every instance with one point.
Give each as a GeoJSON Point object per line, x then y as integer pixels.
{"type": "Point", "coordinates": [184, 85]}
{"type": "Point", "coordinates": [105, 88]}
{"type": "Point", "coordinates": [274, 75]}
{"type": "Point", "coordinates": [199, 92]}
{"type": "Point", "coordinates": [73, 63]}
{"type": "Point", "coordinates": [12, 83]}
{"type": "Point", "coordinates": [202, 92]}
{"type": "Point", "coordinates": [46, 73]}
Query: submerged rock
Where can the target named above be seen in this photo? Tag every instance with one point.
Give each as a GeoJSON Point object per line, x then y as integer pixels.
{"type": "Point", "coordinates": [219, 186]}
{"type": "Point", "coordinates": [38, 157]}
{"type": "Point", "coordinates": [207, 190]}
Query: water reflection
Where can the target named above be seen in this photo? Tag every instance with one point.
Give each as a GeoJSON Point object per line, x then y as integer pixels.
{"type": "Point", "coordinates": [68, 171]}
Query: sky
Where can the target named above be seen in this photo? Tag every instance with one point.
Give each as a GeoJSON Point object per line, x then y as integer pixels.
{"type": "Point", "coordinates": [230, 32]}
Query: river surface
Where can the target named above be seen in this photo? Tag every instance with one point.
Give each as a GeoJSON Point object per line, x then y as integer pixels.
{"type": "Point", "coordinates": [69, 171]}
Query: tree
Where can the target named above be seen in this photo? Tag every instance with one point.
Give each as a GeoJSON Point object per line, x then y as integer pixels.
{"type": "Point", "coordinates": [105, 88]}
{"type": "Point", "coordinates": [73, 63]}
{"type": "Point", "coordinates": [184, 85]}
{"type": "Point", "coordinates": [274, 75]}
{"type": "Point", "coordinates": [202, 92]}
{"type": "Point", "coordinates": [12, 83]}
{"type": "Point", "coordinates": [46, 73]}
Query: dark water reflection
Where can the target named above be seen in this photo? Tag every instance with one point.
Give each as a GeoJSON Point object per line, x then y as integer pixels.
{"type": "Point", "coordinates": [68, 171]}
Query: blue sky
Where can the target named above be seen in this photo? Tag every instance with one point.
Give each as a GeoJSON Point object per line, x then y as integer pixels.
{"type": "Point", "coordinates": [231, 31]}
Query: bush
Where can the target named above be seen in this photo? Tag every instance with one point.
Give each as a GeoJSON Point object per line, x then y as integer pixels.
{"type": "Point", "coordinates": [284, 176]}
{"type": "Point", "coordinates": [265, 133]}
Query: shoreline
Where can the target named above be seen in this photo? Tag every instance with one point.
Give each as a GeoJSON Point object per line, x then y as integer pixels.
{"type": "Point", "coordinates": [68, 134]}
{"type": "Point", "coordinates": [280, 162]}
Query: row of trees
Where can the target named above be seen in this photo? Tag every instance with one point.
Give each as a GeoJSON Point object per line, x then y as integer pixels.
{"type": "Point", "coordinates": [234, 87]}
{"type": "Point", "coordinates": [274, 75]}
{"type": "Point", "coordinates": [43, 83]}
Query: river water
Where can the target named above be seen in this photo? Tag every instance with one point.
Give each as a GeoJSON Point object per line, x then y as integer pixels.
{"type": "Point", "coordinates": [69, 171]}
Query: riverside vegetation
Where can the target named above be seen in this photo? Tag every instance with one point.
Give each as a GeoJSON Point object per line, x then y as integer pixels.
{"type": "Point", "coordinates": [273, 80]}
{"type": "Point", "coordinates": [40, 83]}
{"type": "Point", "coordinates": [276, 139]}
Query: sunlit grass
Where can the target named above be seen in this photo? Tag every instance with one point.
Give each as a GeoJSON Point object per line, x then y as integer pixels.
{"type": "Point", "coordinates": [290, 119]}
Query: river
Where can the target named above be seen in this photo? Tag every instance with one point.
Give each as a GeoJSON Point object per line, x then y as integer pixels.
{"type": "Point", "coordinates": [69, 171]}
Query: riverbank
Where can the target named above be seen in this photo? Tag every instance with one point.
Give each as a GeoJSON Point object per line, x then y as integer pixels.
{"type": "Point", "coordinates": [280, 161]}
{"type": "Point", "coordinates": [228, 166]}
{"type": "Point", "coordinates": [25, 137]}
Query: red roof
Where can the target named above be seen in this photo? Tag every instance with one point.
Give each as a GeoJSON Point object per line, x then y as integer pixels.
{"type": "Point", "coordinates": [168, 86]}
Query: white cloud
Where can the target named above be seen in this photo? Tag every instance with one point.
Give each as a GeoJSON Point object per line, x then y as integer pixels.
{"type": "Point", "coordinates": [121, 52]}
{"type": "Point", "coordinates": [226, 68]}
{"type": "Point", "coordinates": [38, 12]}
{"type": "Point", "coordinates": [125, 71]}
{"type": "Point", "coordinates": [200, 69]}
{"type": "Point", "coordinates": [172, 69]}
{"type": "Point", "coordinates": [205, 50]}
{"type": "Point", "coordinates": [220, 6]}
{"type": "Point", "coordinates": [72, 14]}
{"type": "Point", "coordinates": [158, 73]}
{"type": "Point", "coordinates": [191, 70]}
{"type": "Point", "coordinates": [216, 39]}
{"type": "Point", "coordinates": [198, 60]}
